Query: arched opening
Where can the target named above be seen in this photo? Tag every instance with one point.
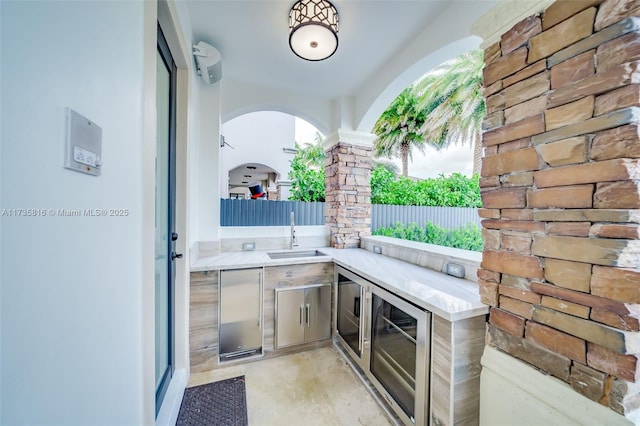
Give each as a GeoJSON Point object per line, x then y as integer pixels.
{"type": "Point", "coordinates": [429, 131]}
{"type": "Point", "coordinates": [243, 180]}
{"type": "Point", "coordinates": [381, 92]}
{"type": "Point", "coordinates": [257, 148]}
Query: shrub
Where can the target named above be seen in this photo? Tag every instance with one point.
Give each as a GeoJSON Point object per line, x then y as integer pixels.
{"type": "Point", "coordinates": [456, 190]}
{"type": "Point", "coordinates": [468, 237]}
{"type": "Point", "coordinates": [307, 173]}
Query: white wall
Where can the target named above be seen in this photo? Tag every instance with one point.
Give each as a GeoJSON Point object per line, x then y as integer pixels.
{"type": "Point", "coordinates": [72, 287]}
{"type": "Point", "coordinates": [239, 97]}
{"type": "Point", "coordinates": [203, 155]}
{"type": "Point", "coordinates": [207, 110]}
{"type": "Point", "coordinates": [514, 393]}
{"type": "Point", "coordinates": [193, 129]}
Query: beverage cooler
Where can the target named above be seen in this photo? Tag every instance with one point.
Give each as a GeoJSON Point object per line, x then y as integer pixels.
{"type": "Point", "coordinates": [389, 339]}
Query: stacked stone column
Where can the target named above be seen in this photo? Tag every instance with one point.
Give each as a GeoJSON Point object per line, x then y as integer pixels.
{"type": "Point", "coordinates": [348, 188]}
{"type": "Point", "coordinates": [273, 194]}
{"type": "Point", "coordinates": [560, 188]}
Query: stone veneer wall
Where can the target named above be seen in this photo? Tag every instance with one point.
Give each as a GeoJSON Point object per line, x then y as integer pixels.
{"type": "Point", "coordinates": [560, 187]}
{"type": "Point", "coordinates": [273, 194]}
{"type": "Point", "coordinates": [348, 194]}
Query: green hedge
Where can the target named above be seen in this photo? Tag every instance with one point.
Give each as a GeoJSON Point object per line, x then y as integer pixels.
{"type": "Point", "coordinates": [468, 237]}
{"type": "Point", "coordinates": [456, 190]}
{"type": "Point", "coordinates": [307, 173]}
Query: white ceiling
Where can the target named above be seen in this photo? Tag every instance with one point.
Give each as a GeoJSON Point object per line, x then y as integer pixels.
{"type": "Point", "coordinates": [252, 37]}
{"type": "Point", "coordinates": [250, 173]}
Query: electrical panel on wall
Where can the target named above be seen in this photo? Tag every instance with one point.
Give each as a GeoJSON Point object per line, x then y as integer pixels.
{"type": "Point", "coordinates": [83, 148]}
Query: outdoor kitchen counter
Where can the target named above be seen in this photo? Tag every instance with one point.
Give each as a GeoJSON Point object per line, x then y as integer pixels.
{"type": "Point", "coordinates": [446, 296]}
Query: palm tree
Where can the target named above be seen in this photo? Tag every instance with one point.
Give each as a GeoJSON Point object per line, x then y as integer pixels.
{"type": "Point", "coordinates": [399, 129]}
{"type": "Point", "coordinates": [452, 93]}
{"type": "Point", "coordinates": [445, 106]}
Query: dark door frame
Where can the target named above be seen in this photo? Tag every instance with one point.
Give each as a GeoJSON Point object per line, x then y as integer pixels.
{"type": "Point", "coordinates": [165, 54]}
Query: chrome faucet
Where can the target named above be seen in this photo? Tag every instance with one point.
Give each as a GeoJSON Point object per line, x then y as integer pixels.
{"type": "Point", "coordinates": [293, 242]}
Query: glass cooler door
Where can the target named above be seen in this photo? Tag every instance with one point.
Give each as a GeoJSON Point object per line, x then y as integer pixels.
{"type": "Point", "coordinates": [349, 309]}
{"type": "Point", "coordinates": [399, 359]}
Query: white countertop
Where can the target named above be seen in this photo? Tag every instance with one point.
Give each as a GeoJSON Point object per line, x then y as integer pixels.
{"type": "Point", "coordinates": [254, 259]}
{"type": "Point", "coordinates": [446, 296]}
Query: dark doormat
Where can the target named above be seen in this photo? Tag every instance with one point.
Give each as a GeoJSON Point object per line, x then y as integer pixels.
{"type": "Point", "coordinates": [218, 403]}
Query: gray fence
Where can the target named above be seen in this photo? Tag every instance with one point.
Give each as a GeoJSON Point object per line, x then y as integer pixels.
{"type": "Point", "coordinates": [447, 217]}
{"type": "Point", "coordinates": [269, 213]}
{"type": "Point", "coordinates": [277, 213]}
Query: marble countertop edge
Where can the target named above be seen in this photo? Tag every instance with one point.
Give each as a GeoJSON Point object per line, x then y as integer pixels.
{"type": "Point", "coordinates": [448, 297]}
{"type": "Point", "coordinates": [254, 259]}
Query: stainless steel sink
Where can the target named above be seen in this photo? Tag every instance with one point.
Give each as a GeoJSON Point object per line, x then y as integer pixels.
{"type": "Point", "coordinates": [295, 254]}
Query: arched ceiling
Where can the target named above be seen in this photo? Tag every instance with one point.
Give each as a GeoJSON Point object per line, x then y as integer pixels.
{"type": "Point", "coordinates": [381, 41]}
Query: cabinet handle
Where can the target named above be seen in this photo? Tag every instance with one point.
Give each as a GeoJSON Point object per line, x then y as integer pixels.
{"type": "Point", "coordinates": [362, 324]}
{"type": "Point", "coordinates": [308, 315]}
{"type": "Point", "coordinates": [301, 308]}
{"type": "Point", "coordinates": [260, 298]}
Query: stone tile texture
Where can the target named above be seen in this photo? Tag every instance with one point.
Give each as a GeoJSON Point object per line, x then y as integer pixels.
{"type": "Point", "coordinates": [561, 196]}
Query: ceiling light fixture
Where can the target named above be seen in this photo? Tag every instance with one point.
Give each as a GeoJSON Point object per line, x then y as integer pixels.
{"type": "Point", "coordinates": [313, 29]}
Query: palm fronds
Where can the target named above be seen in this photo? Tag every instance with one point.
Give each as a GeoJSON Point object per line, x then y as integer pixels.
{"type": "Point", "coordinates": [445, 106]}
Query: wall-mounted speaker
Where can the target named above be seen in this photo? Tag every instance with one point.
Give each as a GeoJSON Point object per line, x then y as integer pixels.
{"type": "Point", "coordinates": [208, 61]}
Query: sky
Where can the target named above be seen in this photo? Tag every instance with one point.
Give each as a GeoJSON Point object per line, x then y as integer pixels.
{"type": "Point", "coordinates": [446, 161]}
{"type": "Point", "coordinates": [456, 158]}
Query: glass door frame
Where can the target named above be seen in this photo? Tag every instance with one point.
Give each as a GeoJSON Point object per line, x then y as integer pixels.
{"type": "Point", "coordinates": [165, 54]}
{"type": "Point", "coordinates": [423, 356]}
{"type": "Point", "coordinates": [361, 359]}
{"type": "Point", "coordinates": [423, 343]}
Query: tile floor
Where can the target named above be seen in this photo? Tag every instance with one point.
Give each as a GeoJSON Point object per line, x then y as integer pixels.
{"type": "Point", "coordinates": [309, 388]}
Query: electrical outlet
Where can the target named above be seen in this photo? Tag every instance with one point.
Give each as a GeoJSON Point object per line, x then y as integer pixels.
{"type": "Point", "coordinates": [455, 270]}
{"type": "Point", "coordinates": [248, 246]}
{"type": "Point", "coordinates": [377, 249]}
